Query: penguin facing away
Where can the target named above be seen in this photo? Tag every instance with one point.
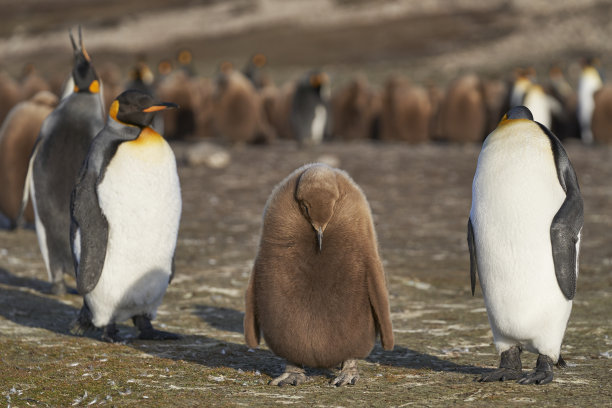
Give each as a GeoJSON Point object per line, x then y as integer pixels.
{"type": "Point", "coordinates": [125, 212]}
{"type": "Point", "coordinates": [524, 240]}
{"type": "Point", "coordinates": [317, 292]}
{"type": "Point", "coordinates": [57, 156]}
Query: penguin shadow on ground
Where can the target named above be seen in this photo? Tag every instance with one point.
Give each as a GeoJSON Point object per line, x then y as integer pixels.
{"type": "Point", "coordinates": [42, 286]}
{"type": "Point", "coordinates": [407, 358]}
{"type": "Point", "coordinates": [221, 318]}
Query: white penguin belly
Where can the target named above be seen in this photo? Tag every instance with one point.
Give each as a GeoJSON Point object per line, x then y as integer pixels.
{"type": "Point", "coordinates": [318, 123]}
{"type": "Point", "coordinates": [41, 232]}
{"type": "Point", "coordinates": [140, 197]}
{"type": "Point", "coordinates": [516, 194]}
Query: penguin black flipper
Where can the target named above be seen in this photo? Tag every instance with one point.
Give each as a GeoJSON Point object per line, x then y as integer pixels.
{"type": "Point", "coordinates": [472, 247]}
{"type": "Point", "coordinates": [87, 217]}
{"type": "Point", "coordinates": [567, 223]}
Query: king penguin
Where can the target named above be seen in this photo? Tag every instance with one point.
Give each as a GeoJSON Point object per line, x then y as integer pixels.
{"type": "Point", "coordinates": [125, 212]}
{"type": "Point", "coordinates": [309, 108]}
{"type": "Point", "coordinates": [317, 291]}
{"type": "Point", "coordinates": [57, 156]}
{"type": "Point", "coordinates": [590, 82]}
{"type": "Point", "coordinates": [524, 239]}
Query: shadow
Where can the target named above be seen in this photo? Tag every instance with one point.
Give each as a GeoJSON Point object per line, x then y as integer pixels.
{"type": "Point", "coordinates": [42, 286]}
{"type": "Point", "coordinates": [221, 318]}
{"type": "Point", "coordinates": [404, 357]}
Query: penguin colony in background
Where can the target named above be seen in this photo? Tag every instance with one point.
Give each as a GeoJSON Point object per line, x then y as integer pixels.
{"type": "Point", "coordinates": [107, 201]}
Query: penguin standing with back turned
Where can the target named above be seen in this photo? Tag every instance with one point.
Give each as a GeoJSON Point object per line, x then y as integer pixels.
{"type": "Point", "coordinates": [56, 158]}
{"type": "Point", "coordinates": [524, 239]}
{"type": "Point", "coordinates": [125, 212]}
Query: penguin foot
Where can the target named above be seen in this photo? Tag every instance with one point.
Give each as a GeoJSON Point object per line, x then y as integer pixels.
{"type": "Point", "coordinates": [501, 374]}
{"type": "Point", "coordinates": [83, 323]}
{"type": "Point", "coordinates": [293, 375]}
{"type": "Point", "coordinates": [111, 334]}
{"type": "Point", "coordinates": [147, 332]}
{"type": "Point", "coordinates": [510, 367]}
{"type": "Point", "coordinates": [561, 362]}
{"type": "Point", "coordinates": [543, 373]}
{"type": "Point", "coordinates": [153, 334]}
{"type": "Point", "coordinates": [349, 374]}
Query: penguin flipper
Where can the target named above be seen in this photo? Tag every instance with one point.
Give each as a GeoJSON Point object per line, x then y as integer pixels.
{"type": "Point", "coordinates": [90, 226]}
{"type": "Point", "coordinates": [472, 247]}
{"type": "Point", "coordinates": [251, 325]}
{"type": "Point", "coordinates": [377, 291]}
{"type": "Point", "coordinates": [567, 223]}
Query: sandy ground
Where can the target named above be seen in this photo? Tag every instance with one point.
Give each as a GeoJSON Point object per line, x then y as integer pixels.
{"type": "Point", "coordinates": [420, 198]}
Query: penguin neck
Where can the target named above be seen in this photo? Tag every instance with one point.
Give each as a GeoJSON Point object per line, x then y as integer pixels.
{"type": "Point", "coordinates": [148, 136]}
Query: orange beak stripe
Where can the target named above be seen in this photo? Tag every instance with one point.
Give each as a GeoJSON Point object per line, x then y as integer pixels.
{"type": "Point", "coordinates": [155, 108]}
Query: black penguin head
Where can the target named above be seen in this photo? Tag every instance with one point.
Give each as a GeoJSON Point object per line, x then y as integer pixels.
{"type": "Point", "coordinates": [518, 112]}
{"type": "Point", "coordinates": [136, 108]}
{"type": "Point", "coordinates": [83, 73]}
{"type": "Point", "coordinates": [317, 79]}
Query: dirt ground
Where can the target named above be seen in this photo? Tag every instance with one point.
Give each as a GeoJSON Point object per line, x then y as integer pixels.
{"type": "Point", "coordinates": [420, 198]}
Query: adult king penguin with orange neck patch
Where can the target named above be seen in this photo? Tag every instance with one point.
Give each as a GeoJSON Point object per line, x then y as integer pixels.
{"type": "Point", "coordinates": [57, 156]}
{"type": "Point", "coordinates": [125, 209]}
{"type": "Point", "coordinates": [524, 240]}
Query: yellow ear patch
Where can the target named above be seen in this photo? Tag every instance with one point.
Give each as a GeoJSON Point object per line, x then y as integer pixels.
{"type": "Point", "coordinates": [113, 110]}
{"type": "Point", "coordinates": [76, 89]}
{"type": "Point", "coordinates": [94, 87]}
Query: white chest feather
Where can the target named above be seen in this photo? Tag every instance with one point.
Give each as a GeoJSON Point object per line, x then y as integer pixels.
{"type": "Point", "coordinates": [318, 123]}
{"type": "Point", "coordinates": [140, 197]}
{"type": "Point", "coordinates": [515, 195]}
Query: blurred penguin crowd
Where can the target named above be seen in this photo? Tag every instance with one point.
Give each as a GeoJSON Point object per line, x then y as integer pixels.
{"type": "Point", "coordinates": [244, 104]}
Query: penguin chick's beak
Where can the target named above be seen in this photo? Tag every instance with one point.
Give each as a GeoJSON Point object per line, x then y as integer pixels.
{"type": "Point", "coordinates": [320, 238]}
{"type": "Point", "coordinates": [161, 106]}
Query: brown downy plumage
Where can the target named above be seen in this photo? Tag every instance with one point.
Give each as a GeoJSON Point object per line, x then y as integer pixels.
{"type": "Point", "coordinates": [17, 136]}
{"type": "Point", "coordinates": [317, 291]}
{"type": "Point", "coordinates": [406, 112]}
{"type": "Point", "coordinates": [601, 123]}
{"type": "Point", "coordinates": [463, 115]}
{"type": "Point", "coordinates": [354, 110]}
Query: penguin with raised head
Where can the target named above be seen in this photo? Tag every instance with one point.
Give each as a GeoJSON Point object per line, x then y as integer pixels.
{"type": "Point", "coordinates": [253, 70]}
{"type": "Point", "coordinates": [317, 292]}
{"type": "Point", "coordinates": [524, 240]}
{"type": "Point", "coordinates": [309, 108]}
{"type": "Point", "coordinates": [125, 213]}
{"type": "Point", "coordinates": [58, 154]}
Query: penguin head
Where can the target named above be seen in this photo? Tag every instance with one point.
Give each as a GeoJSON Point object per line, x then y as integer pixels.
{"type": "Point", "coordinates": [83, 73]}
{"type": "Point", "coordinates": [258, 60]}
{"type": "Point", "coordinates": [518, 112]}
{"type": "Point", "coordinates": [316, 193]}
{"type": "Point", "coordinates": [136, 108]}
{"type": "Point", "coordinates": [318, 79]}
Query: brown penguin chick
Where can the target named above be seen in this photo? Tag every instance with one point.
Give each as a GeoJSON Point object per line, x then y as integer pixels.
{"type": "Point", "coordinates": [463, 115]}
{"type": "Point", "coordinates": [601, 122]}
{"type": "Point", "coordinates": [406, 112]}
{"type": "Point", "coordinates": [353, 112]}
{"type": "Point", "coordinates": [236, 107]}
{"type": "Point", "coordinates": [10, 94]}
{"type": "Point", "coordinates": [277, 108]}
{"type": "Point", "coordinates": [317, 292]}
{"type": "Point", "coordinates": [179, 88]}
{"type": "Point", "coordinates": [495, 94]}
{"type": "Point", "coordinates": [203, 107]}
{"type": "Point", "coordinates": [17, 136]}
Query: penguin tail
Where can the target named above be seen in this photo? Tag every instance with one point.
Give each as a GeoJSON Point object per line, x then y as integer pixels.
{"type": "Point", "coordinates": [20, 222]}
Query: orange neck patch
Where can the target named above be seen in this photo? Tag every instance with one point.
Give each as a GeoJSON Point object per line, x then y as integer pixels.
{"type": "Point", "coordinates": [147, 137]}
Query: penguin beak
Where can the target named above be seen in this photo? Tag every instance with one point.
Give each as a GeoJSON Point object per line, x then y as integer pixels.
{"type": "Point", "coordinates": [320, 238]}
{"type": "Point", "coordinates": [161, 106]}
